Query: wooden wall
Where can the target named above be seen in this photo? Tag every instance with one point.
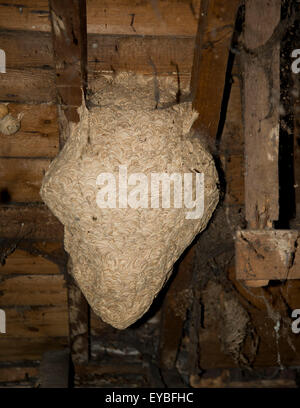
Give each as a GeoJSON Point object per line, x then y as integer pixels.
{"type": "Point", "coordinates": [122, 35]}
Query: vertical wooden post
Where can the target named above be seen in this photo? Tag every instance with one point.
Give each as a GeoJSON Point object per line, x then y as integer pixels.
{"type": "Point", "coordinates": [215, 29]}
{"type": "Point", "coordinates": [261, 94]}
{"type": "Point", "coordinates": [69, 29]}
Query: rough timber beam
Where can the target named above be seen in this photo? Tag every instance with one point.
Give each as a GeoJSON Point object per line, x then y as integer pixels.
{"type": "Point", "coordinates": [213, 41]}
{"type": "Point", "coordinates": [263, 253]}
{"type": "Point", "coordinates": [68, 20]}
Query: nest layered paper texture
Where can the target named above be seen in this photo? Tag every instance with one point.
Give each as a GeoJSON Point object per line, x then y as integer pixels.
{"type": "Point", "coordinates": [123, 256]}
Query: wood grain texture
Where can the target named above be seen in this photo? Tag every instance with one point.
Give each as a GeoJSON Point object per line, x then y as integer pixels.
{"type": "Point", "coordinates": [38, 135]}
{"type": "Point", "coordinates": [27, 49]}
{"type": "Point", "coordinates": [214, 36]}
{"type": "Point", "coordinates": [177, 17]}
{"type": "Point", "coordinates": [31, 85]}
{"type": "Point", "coordinates": [43, 321]}
{"type": "Point", "coordinates": [267, 255]}
{"type": "Point", "coordinates": [23, 263]}
{"type": "Point", "coordinates": [261, 116]}
{"type": "Point", "coordinates": [135, 53]}
{"type": "Point", "coordinates": [16, 349]}
{"type": "Point", "coordinates": [12, 374]}
{"type": "Point", "coordinates": [69, 32]}
{"type": "Point", "coordinates": [29, 222]}
{"type": "Point", "coordinates": [33, 290]}
{"type": "Point", "coordinates": [21, 179]}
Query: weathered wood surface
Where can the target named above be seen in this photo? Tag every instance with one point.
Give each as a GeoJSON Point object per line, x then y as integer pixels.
{"type": "Point", "coordinates": [266, 307]}
{"type": "Point", "coordinates": [261, 64]}
{"type": "Point", "coordinates": [169, 17]}
{"type": "Point", "coordinates": [32, 290]}
{"type": "Point", "coordinates": [68, 20]}
{"type": "Point", "coordinates": [13, 373]}
{"type": "Point", "coordinates": [33, 295]}
{"type": "Point", "coordinates": [38, 135]}
{"type": "Point", "coordinates": [21, 179]}
{"type": "Point", "coordinates": [27, 50]}
{"type": "Point", "coordinates": [261, 100]}
{"type": "Point", "coordinates": [139, 54]}
{"type": "Point", "coordinates": [38, 322]}
{"type": "Point", "coordinates": [28, 349]}
{"type": "Point", "coordinates": [114, 374]}
{"type": "Point", "coordinates": [213, 41]}
{"type": "Point", "coordinates": [30, 85]}
{"type": "Point", "coordinates": [29, 222]}
{"type": "Point", "coordinates": [21, 262]}
{"type": "Point", "coordinates": [268, 255]}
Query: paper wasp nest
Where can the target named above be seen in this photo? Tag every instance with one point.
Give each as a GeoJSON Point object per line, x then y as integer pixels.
{"type": "Point", "coordinates": [123, 256]}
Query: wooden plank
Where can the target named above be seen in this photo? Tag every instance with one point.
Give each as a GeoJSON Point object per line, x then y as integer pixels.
{"type": "Point", "coordinates": [32, 85]}
{"type": "Point", "coordinates": [38, 135]}
{"type": "Point", "coordinates": [46, 321]}
{"type": "Point", "coordinates": [29, 349]}
{"type": "Point", "coordinates": [170, 17]}
{"type": "Point", "coordinates": [29, 222]}
{"type": "Point", "coordinates": [32, 290]}
{"type": "Point", "coordinates": [23, 263]}
{"type": "Point", "coordinates": [142, 18]}
{"type": "Point", "coordinates": [26, 15]}
{"type": "Point", "coordinates": [261, 99]}
{"type": "Point", "coordinates": [18, 374]}
{"type": "Point", "coordinates": [135, 53]}
{"type": "Point", "coordinates": [21, 179]}
{"type": "Point", "coordinates": [214, 36]}
{"type": "Point", "coordinates": [267, 255]}
{"type": "Point", "coordinates": [261, 64]}
{"type": "Point", "coordinates": [27, 49]}
{"type": "Point", "coordinates": [68, 20]}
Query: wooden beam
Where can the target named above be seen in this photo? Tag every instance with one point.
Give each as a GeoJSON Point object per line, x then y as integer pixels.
{"type": "Point", "coordinates": [261, 66]}
{"type": "Point", "coordinates": [68, 21]}
{"type": "Point", "coordinates": [29, 222]}
{"type": "Point", "coordinates": [261, 101]}
{"type": "Point", "coordinates": [213, 41]}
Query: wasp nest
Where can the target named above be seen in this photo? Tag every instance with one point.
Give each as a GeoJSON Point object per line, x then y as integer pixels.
{"type": "Point", "coordinates": [122, 255]}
